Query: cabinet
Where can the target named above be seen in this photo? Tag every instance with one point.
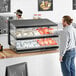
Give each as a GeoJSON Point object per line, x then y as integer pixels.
{"type": "Point", "coordinates": [4, 24]}
{"type": "Point", "coordinates": [32, 35]}
{"type": "Point", "coordinates": [74, 4]}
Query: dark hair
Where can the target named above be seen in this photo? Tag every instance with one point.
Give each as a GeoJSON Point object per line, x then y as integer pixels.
{"type": "Point", "coordinates": [68, 19]}
{"type": "Point", "coordinates": [19, 12]}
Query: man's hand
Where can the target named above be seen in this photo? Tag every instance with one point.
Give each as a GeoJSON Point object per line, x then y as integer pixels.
{"type": "Point", "coordinates": [60, 59]}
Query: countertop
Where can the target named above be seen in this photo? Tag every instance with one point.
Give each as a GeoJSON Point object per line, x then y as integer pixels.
{"type": "Point", "coordinates": [7, 53]}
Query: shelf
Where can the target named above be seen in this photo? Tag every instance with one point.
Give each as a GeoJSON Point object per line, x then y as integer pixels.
{"type": "Point", "coordinates": [37, 37]}
{"type": "Point", "coordinates": [34, 37]}
{"type": "Point", "coordinates": [35, 49]}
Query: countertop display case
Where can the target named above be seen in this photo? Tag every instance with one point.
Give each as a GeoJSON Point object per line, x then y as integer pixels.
{"type": "Point", "coordinates": [32, 35]}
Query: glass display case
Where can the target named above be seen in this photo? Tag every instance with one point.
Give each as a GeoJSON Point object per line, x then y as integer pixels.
{"type": "Point", "coordinates": [32, 35]}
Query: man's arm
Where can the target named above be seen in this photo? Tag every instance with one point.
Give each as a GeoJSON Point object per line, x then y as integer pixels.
{"type": "Point", "coordinates": [75, 36]}
{"type": "Point", "coordinates": [57, 32]}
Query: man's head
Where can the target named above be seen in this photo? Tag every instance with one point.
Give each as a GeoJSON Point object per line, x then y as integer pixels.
{"type": "Point", "coordinates": [67, 20]}
{"type": "Point", "coordinates": [18, 13]}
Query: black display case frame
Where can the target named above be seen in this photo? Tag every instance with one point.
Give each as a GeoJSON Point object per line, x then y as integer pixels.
{"type": "Point", "coordinates": [28, 24]}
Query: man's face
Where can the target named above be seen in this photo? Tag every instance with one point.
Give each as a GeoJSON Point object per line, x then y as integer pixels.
{"type": "Point", "coordinates": [17, 15]}
{"type": "Point", "coordinates": [63, 22]}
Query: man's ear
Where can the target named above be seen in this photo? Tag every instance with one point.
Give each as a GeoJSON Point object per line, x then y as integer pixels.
{"type": "Point", "coordinates": [65, 22]}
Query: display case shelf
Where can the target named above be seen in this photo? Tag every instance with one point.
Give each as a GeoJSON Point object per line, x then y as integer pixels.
{"type": "Point", "coordinates": [47, 48]}
{"type": "Point", "coordinates": [34, 37]}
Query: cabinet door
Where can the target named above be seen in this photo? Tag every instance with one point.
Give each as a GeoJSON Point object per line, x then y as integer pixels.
{"type": "Point", "coordinates": [17, 70]}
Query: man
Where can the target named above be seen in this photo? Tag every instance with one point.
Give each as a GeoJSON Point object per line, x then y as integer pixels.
{"type": "Point", "coordinates": [67, 47]}
{"type": "Point", "coordinates": [18, 14]}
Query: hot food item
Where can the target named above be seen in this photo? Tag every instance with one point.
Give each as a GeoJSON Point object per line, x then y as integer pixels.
{"type": "Point", "coordinates": [40, 30]}
{"type": "Point", "coordinates": [51, 30]}
{"type": "Point", "coordinates": [27, 33]}
{"type": "Point", "coordinates": [18, 34]}
{"type": "Point", "coordinates": [41, 42]}
{"type": "Point", "coordinates": [45, 30]}
{"type": "Point", "coordinates": [52, 42]}
{"type": "Point", "coordinates": [46, 42]}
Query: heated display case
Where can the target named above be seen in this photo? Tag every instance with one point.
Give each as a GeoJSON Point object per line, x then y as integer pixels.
{"type": "Point", "coordinates": [32, 35]}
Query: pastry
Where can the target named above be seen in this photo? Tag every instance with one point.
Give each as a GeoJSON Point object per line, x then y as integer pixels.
{"type": "Point", "coordinates": [18, 34]}
{"type": "Point", "coordinates": [46, 41]}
